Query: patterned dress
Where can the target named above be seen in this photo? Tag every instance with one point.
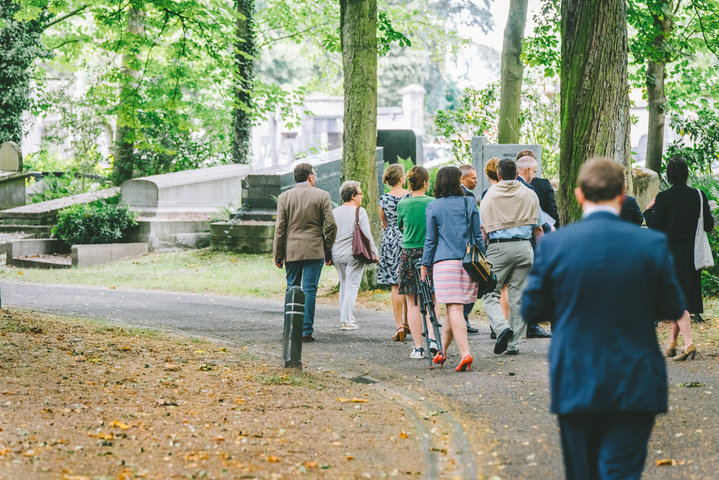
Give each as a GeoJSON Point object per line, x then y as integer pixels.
{"type": "Point", "coordinates": [391, 248]}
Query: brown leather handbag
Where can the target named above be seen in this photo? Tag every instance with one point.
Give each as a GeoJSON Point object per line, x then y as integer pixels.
{"type": "Point", "coordinates": [361, 245]}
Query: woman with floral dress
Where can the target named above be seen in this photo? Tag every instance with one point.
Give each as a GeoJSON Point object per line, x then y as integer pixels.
{"type": "Point", "coordinates": [391, 247]}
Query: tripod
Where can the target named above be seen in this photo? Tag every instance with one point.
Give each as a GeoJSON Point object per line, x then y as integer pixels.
{"type": "Point", "coordinates": [426, 307]}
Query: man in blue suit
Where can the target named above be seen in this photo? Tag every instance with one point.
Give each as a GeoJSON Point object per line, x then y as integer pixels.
{"type": "Point", "coordinates": [603, 282]}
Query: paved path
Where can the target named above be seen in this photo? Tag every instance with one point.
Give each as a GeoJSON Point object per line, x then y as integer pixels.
{"type": "Point", "coordinates": [491, 422]}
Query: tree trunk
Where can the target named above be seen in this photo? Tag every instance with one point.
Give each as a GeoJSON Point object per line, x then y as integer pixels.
{"type": "Point", "coordinates": [512, 73]}
{"type": "Point", "coordinates": [245, 51]}
{"type": "Point", "coordinates": [655, 91]}
{"type": "Point", "coordinates": [358, 24]}
{"type": "Point", "coordinates": [594, 92]}
{"type": "Point", "coordinates": [123, 166]}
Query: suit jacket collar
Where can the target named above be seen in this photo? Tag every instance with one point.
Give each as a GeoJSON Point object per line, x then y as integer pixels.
{"type": "Point", "coordinates": [601, 215]}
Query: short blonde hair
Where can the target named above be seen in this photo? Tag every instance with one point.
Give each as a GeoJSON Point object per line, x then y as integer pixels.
{"type": "Point", "coordinates": [491, 169]}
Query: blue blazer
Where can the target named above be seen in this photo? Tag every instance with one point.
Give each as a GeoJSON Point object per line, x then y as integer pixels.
{"type": "Point", "coordinates": [447, 229]}
{"type": "Point", "coordinates": [603, 282]}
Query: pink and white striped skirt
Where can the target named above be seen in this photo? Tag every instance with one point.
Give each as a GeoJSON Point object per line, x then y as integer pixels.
{"type": "Point", "coordinates": [452, 284]}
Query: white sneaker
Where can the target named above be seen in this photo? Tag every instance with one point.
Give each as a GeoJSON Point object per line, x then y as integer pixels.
{"type": "Point", "coordinates": [348, 326]}
{"type": "Point", "coordinates": [417, 353]}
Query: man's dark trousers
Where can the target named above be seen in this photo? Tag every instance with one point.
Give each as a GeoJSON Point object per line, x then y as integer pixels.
{"type": "Point", "coordinates": [306, 273]}
{"type": "Point", "coordinates": [605, 445]}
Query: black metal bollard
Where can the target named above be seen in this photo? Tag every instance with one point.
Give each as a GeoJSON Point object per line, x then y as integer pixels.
{"type": "Point", "coordinates": [292, 336]}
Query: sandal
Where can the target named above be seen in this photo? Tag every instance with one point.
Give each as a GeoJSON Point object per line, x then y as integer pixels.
{"type": "Point", "coordinates": [406, 328]}
{"type": "Point", "coordinates": [399, 336]}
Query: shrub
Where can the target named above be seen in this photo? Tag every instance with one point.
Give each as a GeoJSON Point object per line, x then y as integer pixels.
{"type": "Point", "coordinates": [98, 222]}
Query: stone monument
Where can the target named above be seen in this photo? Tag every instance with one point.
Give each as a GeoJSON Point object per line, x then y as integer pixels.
{"type": "Point", "coordinates": [12, 177]}
{"type": "Point", "coordinates": [482, 152]}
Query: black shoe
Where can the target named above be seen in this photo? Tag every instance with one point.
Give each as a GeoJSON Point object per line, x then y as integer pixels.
{"type": "Point", "coordinates": [538, 332]}
{"type": "Point", "coordinates": [308, 338]}
{"type": "Point", "coordinates": [492, 335]}
{"type": "Point", "coordinates": [502, 341]}
{"type": "Point", "coordinates": [512, 352]}
{"type": "Point", "coordinates": [697, 318]}
{"type": "Point", "coordinates": [470, 328]}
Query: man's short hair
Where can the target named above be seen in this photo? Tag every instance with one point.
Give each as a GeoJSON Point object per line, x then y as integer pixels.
{"type": "Point", "coordinates": [601, 179]}
{"type": "Point", "coordinates": [507, 169]}
{"type": "Point", "coordinates": [466, 169]}
{"type": "Point", "coordinates": [526, 153]}
{"type": "Point", "coordinates": [303, 172]}
{"type": "Point", "coordinates": [526, 161]}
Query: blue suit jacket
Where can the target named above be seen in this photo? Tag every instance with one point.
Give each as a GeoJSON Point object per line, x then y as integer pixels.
{"type": "Point", "coordinates": [603, 282]}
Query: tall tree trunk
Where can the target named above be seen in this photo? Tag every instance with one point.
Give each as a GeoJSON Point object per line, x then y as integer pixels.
{"type": "Point", "coordinates": [245, 51]}
{"type": "Point", "coordinates": [512, 73]}
{"type": "Point", "coordinates": [655, 90]}
{"type": "Point", "coordinates": [123, 166]}
{"type": "Point", "coordinates": [19, 47]}
{"type": "Point", "coordinates": [358, 33]}
{"type": "Point", "coordinates": [594, 91]}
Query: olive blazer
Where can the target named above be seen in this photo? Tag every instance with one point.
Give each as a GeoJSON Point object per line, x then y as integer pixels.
{"type": "Point", "coordinates": [305, 226]}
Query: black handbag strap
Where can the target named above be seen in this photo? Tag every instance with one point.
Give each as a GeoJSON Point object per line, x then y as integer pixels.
{"type": "Point", "coordinates": [469, 231]}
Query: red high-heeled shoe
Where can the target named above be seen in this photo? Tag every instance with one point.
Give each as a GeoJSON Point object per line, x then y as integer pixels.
{"type": "Point", "coordinates": [465, 364]}
{"type": "Point", "coordinates": [440, 359]}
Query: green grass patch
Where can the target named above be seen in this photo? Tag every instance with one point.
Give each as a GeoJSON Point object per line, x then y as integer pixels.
{"type": "Point", "coordinates": [199, 271]}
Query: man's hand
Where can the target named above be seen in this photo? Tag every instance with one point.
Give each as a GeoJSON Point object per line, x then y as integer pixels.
{"type": "Point", "coordinates": [329, 262]}
{"type": "Point", "coordinates": [650, 205]}
{"type": "Point", "coordinates": [279, 263]}
{"type": "Point", "coordinates": [422, 273]}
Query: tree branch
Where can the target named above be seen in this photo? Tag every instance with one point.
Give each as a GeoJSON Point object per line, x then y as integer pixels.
{"type": "Point", "coordinates": [65, 17]}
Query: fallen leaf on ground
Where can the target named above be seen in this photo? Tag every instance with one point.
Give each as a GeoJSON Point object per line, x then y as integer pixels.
{"type": "Point", "coordinates": [123, 426]}
{"type": "Point", "coordinates": [273, 459]}
{"type": "Point", "coordinates": [402, 435]}
{"type": "Point", "coordinates": [666, 462]}
{"type": "Point", "coordinates": [311, 464]}
{"type": "Point", "coordinates": [352, 400]}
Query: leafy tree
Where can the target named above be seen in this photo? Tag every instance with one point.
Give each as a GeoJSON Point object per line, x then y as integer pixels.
{"type": "Point", "coordinates": [20, 46]}
{"type": "Point", "coordinates": [670, 33]}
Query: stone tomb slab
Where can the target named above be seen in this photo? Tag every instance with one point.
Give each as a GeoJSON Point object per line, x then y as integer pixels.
{"type": "Point", "coordinates": [205, 190]}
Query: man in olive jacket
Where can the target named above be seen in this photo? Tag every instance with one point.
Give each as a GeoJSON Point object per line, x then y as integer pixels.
{"type": "Point", "coordinates": [304, 230]}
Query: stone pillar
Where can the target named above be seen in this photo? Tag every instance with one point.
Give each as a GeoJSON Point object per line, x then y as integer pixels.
{"type": "Point", "coordinates": [413, 107]}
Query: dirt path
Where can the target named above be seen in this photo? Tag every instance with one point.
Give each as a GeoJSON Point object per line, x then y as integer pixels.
{"type": "Point", "coordinates": [491, 422]}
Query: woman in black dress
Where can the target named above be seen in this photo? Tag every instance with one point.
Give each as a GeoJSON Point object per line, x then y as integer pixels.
{"type": "Point", "coordinates": [675, 212]}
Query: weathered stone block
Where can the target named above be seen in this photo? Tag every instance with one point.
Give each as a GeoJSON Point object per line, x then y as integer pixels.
{"type": "Point", "coordinates": [243, 236]}
{"type": "Point", "coordinates": [85, 255]}
{"type": "Point", "coordinates": [645, 185]}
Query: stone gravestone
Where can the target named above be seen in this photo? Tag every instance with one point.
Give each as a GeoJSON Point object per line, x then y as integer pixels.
{"type": "Point", "coordinates": [401, 144]}
{"type": "Point", "coordinates": [12, 178]}
{"type": "Point", "coordinates": [251, 229]}
{"type": "Point", "coordinates": [482, 152]}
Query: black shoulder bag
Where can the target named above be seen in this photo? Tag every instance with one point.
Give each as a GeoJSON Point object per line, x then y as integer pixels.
{"type": "Point", "coordinates": [475, 262]}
